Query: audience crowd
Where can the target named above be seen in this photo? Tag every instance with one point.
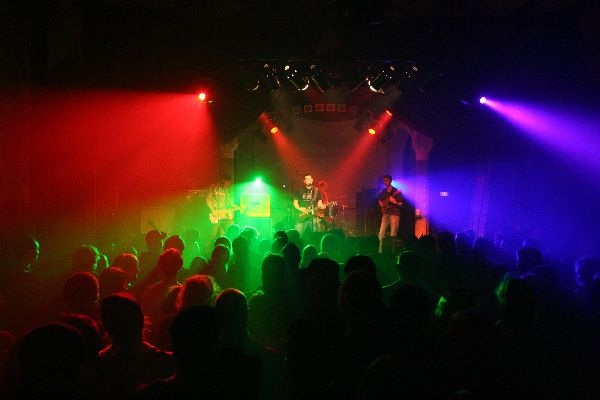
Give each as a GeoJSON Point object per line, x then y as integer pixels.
{"type": "Point", "coordinates": [442, 316]}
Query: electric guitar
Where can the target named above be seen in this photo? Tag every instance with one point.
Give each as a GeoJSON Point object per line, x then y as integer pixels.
{"type": "Point", "coordinates": [220, 204]}
{"type": "Point", "coordinates": [309, 213]}
{"type": "Point", "coordinates": [224, 213]}
{"type": "Point", "coordinates": [385, 205]}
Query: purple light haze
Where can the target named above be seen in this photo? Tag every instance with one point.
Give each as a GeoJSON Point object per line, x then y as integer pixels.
{"type": "Point", "coordinates": [567, 132]}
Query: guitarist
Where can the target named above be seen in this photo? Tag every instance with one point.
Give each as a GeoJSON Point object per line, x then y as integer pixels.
{"type": "Point", "coordinates": [221, 206]}
{"type": "Point", "coordinates": [307, 201]}
{"type": "Point", "coordinates": [390, 201]}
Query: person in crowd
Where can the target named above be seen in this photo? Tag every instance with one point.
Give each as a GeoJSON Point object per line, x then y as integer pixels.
{"type": "Point", "coordinates": [128, 361]}
{"type": "Point", "coordinates": [169, 264]}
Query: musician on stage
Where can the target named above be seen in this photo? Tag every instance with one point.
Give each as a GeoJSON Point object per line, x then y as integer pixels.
{"type": "Point", "coordinates": [307, 201]}
{"type": "Point", "coordinates": [390, 201]}
{"type": "Point", "coordinates": [323, 188]}
{"type": "Point", "coordinates": [326, 213]}
{"type": "Point", "coordinates": [221, 206]}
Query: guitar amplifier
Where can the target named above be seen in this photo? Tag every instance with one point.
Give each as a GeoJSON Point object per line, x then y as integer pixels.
{"type": "Point", "coordinates": [368, 215]}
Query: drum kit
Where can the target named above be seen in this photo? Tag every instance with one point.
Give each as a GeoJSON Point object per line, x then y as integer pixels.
{"type": "Point", "coordinates": [334, 215]}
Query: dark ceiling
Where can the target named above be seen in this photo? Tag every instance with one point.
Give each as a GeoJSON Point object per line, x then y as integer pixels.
{"type": "Point", "coordinates": [460, 46]}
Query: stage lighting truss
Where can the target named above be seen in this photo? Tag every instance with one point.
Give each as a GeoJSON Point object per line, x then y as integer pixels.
{"type": "Point", "coordinates": [319, 78]}
{"type": "Point", "coordinates": [271, 77]}
{"type": "Point", "coordinates": [383, 80]}
{"type": "Point", "coordinates": [295, 78]}
{"type": "Point", "coordinates": [379, 76]}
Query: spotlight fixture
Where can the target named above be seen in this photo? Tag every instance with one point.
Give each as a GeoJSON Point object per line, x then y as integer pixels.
{"type": "Point", "coordinates": [298, 81]}
{"type": "Point", "coordinates": [363, 75]}
{"type": "Point", "coordinates": [203, 90]}
{"type": "Point", "coordinates": [271, 77]}
{"type": "Point", "coordinates": [383, 81]}
{"type": "Point", "coordinates": [319, 78]}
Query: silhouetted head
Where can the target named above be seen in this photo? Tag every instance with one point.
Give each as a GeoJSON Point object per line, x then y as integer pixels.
{"type": "Point", "coordinates": [294, 237]}
{"type": "Point", "coordinates": [170, 262]}
{"type": "Point", "coordinates": [330, 244]}
{"type": "Point", "coordinates": [174, 242]}
{"type": "Point", "coordinates": [197, 290]}
{"type": "Point", "coordinates": [360, 263]}
{"type": "Point", "coordinates": [112, 280]}
{"type": "Point", "coordinates": [223, 241]}
{"type": "Point", "coordinates": [427, 244]}
{"type": "Point", "coordinates": [445, 242]}
{"type": "Point", "coordinates": [122, 318]}
{"type": "Point", "coordinates": [22, 251]}
{"type": "Point", "coordinates": [195, 335]}
{"type": "Point", "coordinates": [233, 231]}
{"type": "Point", "coordinates": [232, 306]}
{"type": "Point", "coordinates": [85, 258]}
{"type": "Point", "coordinates": [250, 233]}
{"type": "Point", "coordinates": [154, 240]}
{"type": "Point", "coordinates": [277, 244]}
{"type": "Point", "coordinates": [409, 265]}
{"type": "Point", "coordinates": [360, 296]}
{"type": "Point", "coordinates": [81, 291]}
{"type": "Point", "coordinates": [527, 258]}
{"type": "Point", "coordinates": [220, 255]}
{"type": "Point", "coordinates": [52, 355]}
{"type": "Point", "coordinates": [240, 247]}
{"type": "Point", "coordinates": [309, 253]}
{"type": "Point", "coordinates": [129, 263]}
{"type": "Point", "coordinates": [586, 268]}
{"type": "Point", "coordinates": [273, 272]}
{"type": "Point", "coordinates": [280, 234]}
{"type": "Point", "coordinates": [291, 256]}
